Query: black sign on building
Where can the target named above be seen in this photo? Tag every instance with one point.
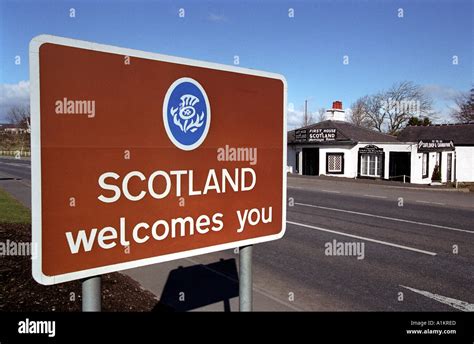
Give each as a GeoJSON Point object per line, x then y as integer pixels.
{"type": "Point", "coordinates": [301, 135]}
{"type": "Point", "coordinates": [435, 146]}
{"type": "Point", "coordinates": [315, 135]}
{"type": "Point", "coordinates": [370, 149]}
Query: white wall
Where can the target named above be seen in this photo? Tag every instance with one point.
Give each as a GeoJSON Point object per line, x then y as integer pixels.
{"type": "Point", "coordinates": [291, 153]}
{"type": "Point", "coordinates": [350, 160]}
{"type": "Point", "coordinates": [416, 176]}
{"type": "Point", "coordinates": [351, 156]}
{"type": "Point", "coordinates": [417, 166]}
{"type": "Point", "coordinates": [291, 158]}
{"type": "Point", "coordinates": [300, 161]}
{"type": "Point", "coordinates": [335, 115]}
{"type": "Point", "coordinates": [444, 166]}
{"type": "Point", "coordinates": [464, 161]}
{"type": "Point", "coordinates": [465, 164]}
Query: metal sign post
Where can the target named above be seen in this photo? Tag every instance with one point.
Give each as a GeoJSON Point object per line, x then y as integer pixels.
{"type": "Point", "coordinates": [245, 278]}
{"type": "Point", "coordinates": [91, 294]}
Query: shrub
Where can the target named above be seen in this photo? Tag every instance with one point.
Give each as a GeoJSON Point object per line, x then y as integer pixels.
{"type": "Point", "coordinates": [436, 177]}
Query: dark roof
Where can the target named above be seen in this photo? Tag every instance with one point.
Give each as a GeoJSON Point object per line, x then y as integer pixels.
{"type": "Point", "coordinates": [460, 134]}
{"type": "Point", "coordinates": [347, 133]}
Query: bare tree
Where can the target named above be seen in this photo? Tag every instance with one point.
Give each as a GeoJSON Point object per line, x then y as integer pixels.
{"type": "Point", "coordinates": [321, 115]}
{"type": "Point", "coordinates": [308, 119]}
{"type": "Point", "coordinates": [374, 116]}
{"type": "Point", "coordinates": [359, 113]}
{"type": "Point", "coordinates": [389, 111]}
{"type": "Point", "coordinates": [464, 110]}
{"type": "Point", "coordinates": [20, 115]}
{"type": "Point", "coordinates": [401, 102]}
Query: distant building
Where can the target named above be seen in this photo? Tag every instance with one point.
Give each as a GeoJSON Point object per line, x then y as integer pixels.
{"type": "Point", "coordinates": [12, 128]}
{"type": "Point", "coordinates": [451, 146]}
{"type": "Point", "coordinates": [335, 147]}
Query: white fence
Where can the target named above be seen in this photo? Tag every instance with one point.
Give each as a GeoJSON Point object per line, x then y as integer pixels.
{"type": "Point", "coordinates": [16, 154]}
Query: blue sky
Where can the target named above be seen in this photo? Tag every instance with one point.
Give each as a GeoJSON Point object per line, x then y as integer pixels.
{"type": "Point", "coordinates": [308, 49]}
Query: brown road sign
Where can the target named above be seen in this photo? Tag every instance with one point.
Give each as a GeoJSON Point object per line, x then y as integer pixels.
{"type": "Point", "coordinates": [140, 158]}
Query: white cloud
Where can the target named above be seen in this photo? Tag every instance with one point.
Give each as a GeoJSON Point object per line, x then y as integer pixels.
{"type": "Point", "coordinates": [294, 118]}
{"type": "Point", "coordinates": [440, 92]}
{"type": "Point", "coordinates": [443, 101]}
{"type": "Point", "coordinates": [214, 17]}
{"type": "Point", "coordinates": [13, 95]}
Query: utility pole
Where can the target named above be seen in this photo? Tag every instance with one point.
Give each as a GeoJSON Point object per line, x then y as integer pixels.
{"type": "Point", "coordinates": [306, 112]}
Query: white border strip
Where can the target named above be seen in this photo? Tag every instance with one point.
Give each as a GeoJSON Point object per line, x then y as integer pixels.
{"type": "Point", "coordinates": [35, 45]}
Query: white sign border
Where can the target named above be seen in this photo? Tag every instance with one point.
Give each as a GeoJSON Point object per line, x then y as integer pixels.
{"type": "Point", "coordinates": [34, 47]}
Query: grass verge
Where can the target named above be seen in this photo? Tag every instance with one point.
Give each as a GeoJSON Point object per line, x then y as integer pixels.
{"type": "Point", "coordinates": [19, 292]}
{"type": "Point", "coordinates": [12, 211]}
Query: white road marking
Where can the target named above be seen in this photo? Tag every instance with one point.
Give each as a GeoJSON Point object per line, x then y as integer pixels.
{"type": "Point", "coordinates": [15, 164]}
{"type": "Point", "coordinates": [430, 202]}
{"type": "Point", "coordinates": [332, 191]}
{"type": "Point", "coordinates": [363, 238]}
{"type": "Point", "coordinates": [375, 196]}
{"type": "Point", "coordinates": [458, 304]}
{"type": "Point", "coordinates": [386, 218]}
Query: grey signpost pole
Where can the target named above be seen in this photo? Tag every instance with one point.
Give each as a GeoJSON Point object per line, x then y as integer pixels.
{"type": "Point", "coordinates": [91, 294]}
{"type": "Point", "coordinates": [245, 278]}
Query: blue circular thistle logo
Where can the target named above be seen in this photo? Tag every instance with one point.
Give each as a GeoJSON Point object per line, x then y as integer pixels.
{"type": "Point", "coordinates": [186, 113]}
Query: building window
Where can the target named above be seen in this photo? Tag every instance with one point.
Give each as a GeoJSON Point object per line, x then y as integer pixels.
{"type": "Point", "coordinates": [425, 165]}
{"type": "Point", "coordinates": [371, 165]}
{"type": "Point", "coordinates": [297, 167]}
{"type": "Point", "coordinates": [334, 163]}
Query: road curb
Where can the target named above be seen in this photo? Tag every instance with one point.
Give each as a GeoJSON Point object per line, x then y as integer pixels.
{"type": "Point", "coordinates": [350, 181]}
{"type": "Point", "coordinates": [464, 190]}
{"type": "Point", "coordinates": [23, 158]}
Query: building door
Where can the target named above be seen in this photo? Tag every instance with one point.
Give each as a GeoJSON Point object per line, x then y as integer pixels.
{"type": "Point", "coordinates": [449, 167]}
{"type": "Point", "coordinates": [311, 161]}
{"type": "Point", "coordinates": [399, 166]}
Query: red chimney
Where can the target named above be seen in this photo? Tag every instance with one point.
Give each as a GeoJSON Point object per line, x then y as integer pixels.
{"type": "Point", "coordinates": [337, 105]}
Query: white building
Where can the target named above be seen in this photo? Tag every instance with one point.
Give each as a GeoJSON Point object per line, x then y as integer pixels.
{"type": "Point", "coordinates": [451, 146]}
{"type": "Point", "coordinates": [336, 147]}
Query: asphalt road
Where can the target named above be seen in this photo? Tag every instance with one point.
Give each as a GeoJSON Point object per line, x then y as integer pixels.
{"type": "Point", "coordinates": [417, 253]}
{"type": "Point", "coordinates": [15, 178]}
{"type": "Point", "coordinates": [423, 258]}
{"type": "Point", "coordinates": [410, 261]}
{"type": "Point", "coordinates": [16, 168]}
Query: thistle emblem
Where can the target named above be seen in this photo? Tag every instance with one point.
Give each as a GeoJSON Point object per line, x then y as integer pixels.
{"type": "Point", "coordinates": [185, 115]}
